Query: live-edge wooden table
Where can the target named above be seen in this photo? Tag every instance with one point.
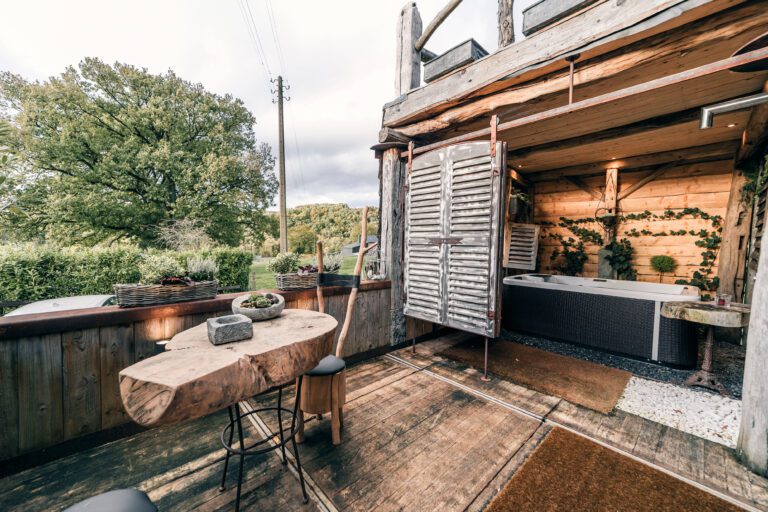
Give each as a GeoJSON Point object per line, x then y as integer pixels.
{"type": "Point", "coordinates": [193, 377]}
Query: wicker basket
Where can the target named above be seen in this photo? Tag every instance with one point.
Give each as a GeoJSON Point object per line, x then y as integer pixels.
{"type": "Point", "coordinates": [132, 295]}
{"type": "Point", "coordinates": [295, 282]}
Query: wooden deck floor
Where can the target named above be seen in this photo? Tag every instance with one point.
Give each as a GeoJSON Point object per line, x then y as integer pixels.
{"type": "Point", "coordinates": [420, 433]}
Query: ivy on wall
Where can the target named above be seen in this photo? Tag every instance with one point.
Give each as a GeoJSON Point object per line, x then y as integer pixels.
{"type": "Point", "coordinates": [573, 250]}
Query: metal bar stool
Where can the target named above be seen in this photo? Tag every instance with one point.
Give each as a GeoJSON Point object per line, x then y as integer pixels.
{"type": "Point", "coordinates": [285, 435]}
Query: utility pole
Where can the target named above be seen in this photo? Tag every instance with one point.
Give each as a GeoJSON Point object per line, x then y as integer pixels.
{"type": "Point", "coordinates": [281, 161]}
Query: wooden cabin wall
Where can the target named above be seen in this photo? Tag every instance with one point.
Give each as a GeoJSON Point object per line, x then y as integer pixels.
{"type": "Point", "coordinates": [705, 186]}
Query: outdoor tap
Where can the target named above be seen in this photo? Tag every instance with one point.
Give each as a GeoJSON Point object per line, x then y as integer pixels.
{"type": "Point", "coordinates": [708, 113]}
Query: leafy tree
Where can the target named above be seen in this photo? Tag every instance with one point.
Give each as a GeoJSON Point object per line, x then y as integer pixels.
{"type": "Point", "coordinates": [302, 240]}
{"type": "Point", "coordinates": [113, 152]}
{"type": "Point", "coordinates": [334, 224]}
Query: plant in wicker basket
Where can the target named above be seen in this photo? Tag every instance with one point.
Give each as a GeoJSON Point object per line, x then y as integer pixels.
{"type": "Point", "coordinates": [164, 281]}
{"type": "Point", "coordinates": [160, 268]}
{"type": "Point", "coordinates": [202, 269]}
{"type": "Point", "coordinates": [288, 274]}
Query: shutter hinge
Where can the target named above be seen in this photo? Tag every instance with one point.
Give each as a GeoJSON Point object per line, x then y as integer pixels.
{"type": "Point", "coordinates": [491, 314]}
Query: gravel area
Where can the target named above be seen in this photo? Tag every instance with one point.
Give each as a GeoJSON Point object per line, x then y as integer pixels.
{"type": "Point", "coordinates": [700, 413]}
{"type": "Point", "coordinates": [729, 361]}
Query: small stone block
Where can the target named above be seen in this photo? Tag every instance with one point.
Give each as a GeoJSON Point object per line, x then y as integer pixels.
{"type": "Point", "coordinates": [226, 329]}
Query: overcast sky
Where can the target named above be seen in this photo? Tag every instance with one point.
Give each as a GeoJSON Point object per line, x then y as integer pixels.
{"type": "Point", "coordinates": [338, 58]}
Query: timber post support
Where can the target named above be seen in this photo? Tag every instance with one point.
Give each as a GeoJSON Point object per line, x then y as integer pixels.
{"type": "Point", "coordinates": [408, 71]}
{"type": "Point", "coordinates": [393, 235]}
{"type": "Point", "coordinates": [752, 446]}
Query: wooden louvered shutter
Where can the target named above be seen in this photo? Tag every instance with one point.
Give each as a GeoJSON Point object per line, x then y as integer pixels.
{"type": "Point", "coordinates": [522, 246]}
{"type": "Point", "coordinates": [453, 231]}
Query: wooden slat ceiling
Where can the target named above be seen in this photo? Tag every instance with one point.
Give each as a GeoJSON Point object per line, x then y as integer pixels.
{"type": "Point", "coordinates": [655, 140]}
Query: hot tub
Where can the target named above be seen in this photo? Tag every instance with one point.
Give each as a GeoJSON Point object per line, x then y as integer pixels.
{"type": "Point", "coordinates": [617, 316]}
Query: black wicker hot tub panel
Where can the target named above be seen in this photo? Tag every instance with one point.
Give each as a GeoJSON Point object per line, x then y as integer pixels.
{"type": "Point", "coordinates": [616, 324]}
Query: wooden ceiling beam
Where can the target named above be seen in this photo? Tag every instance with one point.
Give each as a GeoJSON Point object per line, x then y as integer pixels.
{"type": "Point", "coordinates": [595, 193]}
{"type": "Point", "coordinates": [681, 91]}
{"type": "Point", "coordinates": [700, 43]}
{"type": "Point", "coordinates": [697, 154]}
{"type": "Point", "coordinates": [600, 29]}
{"type": "Point", "coordinates": [645, 180]}
{"type": "Point", "coordinates": [755, 134]}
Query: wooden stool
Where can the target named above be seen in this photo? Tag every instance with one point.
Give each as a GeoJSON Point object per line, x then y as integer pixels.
{"type": "Point", "coordinates": [325, 392]}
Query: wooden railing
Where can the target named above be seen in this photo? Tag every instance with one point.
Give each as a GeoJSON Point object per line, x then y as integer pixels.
{"type": "Point", "coordinates": [59, 371]}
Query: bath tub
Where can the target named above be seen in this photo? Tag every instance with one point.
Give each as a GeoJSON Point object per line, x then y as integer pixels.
{"type": "Point", "coordinates": [617, 316]}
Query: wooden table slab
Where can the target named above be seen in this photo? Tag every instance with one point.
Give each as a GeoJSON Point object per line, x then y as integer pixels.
{"type": "Point", "coordinates": [194, 378]}
{"type": "Point", "coordinates": [735, 315]}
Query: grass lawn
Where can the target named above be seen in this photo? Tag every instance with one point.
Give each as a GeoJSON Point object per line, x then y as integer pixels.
{"type": "Point", "coordinates": [263, 279]}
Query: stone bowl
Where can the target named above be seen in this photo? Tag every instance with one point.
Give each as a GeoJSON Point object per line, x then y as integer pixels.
{"type": "Point", "coordinates": [259, 314]}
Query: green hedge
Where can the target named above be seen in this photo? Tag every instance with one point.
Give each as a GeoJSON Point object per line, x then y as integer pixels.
{"type": "Point", "coordinates": [30, 273]}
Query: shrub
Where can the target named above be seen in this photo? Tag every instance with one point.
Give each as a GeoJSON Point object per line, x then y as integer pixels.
{"type": "Point", "coordinates": [284, 263]}
{"type": "Point", "coordinates": [156, 268]}
{"type": "Point", "coordinates": [35, 272]}
{"type": "Point", "coordinates": [663, 264]}
{"type": "Point", "coordinates": [202, 269]}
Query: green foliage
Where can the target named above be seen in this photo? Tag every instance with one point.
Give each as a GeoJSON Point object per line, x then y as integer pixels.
{"type": "Point", "coordinates": [620, 259]}
{"type": "Point", "coordinates": [663, 264]}
{"type": "Point", "coordinates": [234, 265]}
{"type": "Point", "coordinates": [301, 239]}
{"type": "Point", "coordinates": [756, 175]}
{"type": "Point", "coordinates": [331, 263]}
{"type": "Point", "coordinates": [156, 268]}
{"type": "Point", "coordinates": [333, 224]}
{"type": "Point", "coordinates": [202, 269]}
{"type": "Point", "coordinates": [112, 152]}
{"type": "Point", "coordinates": [284, 263]}
{"type": "Point", "coordinates": [31, 272]}
{"type": "Point", "coordinates": [570, 258]}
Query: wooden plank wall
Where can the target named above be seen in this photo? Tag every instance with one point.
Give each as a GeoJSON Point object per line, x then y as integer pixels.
{"type": "Point", "coordinates": [706, 186]}
{"type": "Point", "coordinates": [60, 386]}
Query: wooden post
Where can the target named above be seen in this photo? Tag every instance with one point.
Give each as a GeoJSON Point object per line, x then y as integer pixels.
{"type": "Point", "coordinates": [320, 270]}
{"type": "Point", "coordinates": [753, 436]}
{"type": "Point", "coordinates": [611, 189]}
{"type": "Point", "coordinates": [392, 236]}
{"type": "Point", "coordinates": [506, 23]}
{"type": "Point", "coordinates": [408, 71]}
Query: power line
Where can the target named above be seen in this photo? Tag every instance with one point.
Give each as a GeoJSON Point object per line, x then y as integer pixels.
{"type": "Point", "coordinates": [275, 37]}
{"type": "Point", "coordinates": [250, 24]}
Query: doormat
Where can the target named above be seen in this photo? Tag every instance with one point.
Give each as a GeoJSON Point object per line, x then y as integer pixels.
{"type": "Point", "coordinates": [569, 472]}
{"type": "Point", "coordinates": [594, 386]}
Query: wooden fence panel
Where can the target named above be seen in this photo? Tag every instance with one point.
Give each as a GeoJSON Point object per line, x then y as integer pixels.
{"type": "Point", "coordinates": [40, 392]}
{"type": "Point", "coordinates": [81, 353]}
{"type": "Point", "coordinates": [116, 353]}
{"type": "Point", "coordinates": [9, 400]}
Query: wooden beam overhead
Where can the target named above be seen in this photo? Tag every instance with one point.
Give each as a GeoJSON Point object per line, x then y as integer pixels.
{"type": "Point", "coordinates": [645, 180]}
{"type": "Point", "coordinates": [755, 134]}
{"type": "Point", "coordinates": [517, 177]}
{"type": "Point", "coordinates": [699, 43]}
{"type": "Point", "coordinates": [674, 137]}
{"type": "Point", "coordinates": [696, 154]}
{"type": "Point", "coordinates": [586, 188]}
{"type": "Point", "coordinates": [605, 27]}
{"type": "Point", "coordinates": [681, 91]}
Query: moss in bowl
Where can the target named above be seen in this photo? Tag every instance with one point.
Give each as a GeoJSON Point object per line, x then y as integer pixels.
{"type": "Point", "coordinates": [259, 306]}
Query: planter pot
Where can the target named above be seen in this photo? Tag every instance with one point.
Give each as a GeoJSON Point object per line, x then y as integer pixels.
{"type": "Point", "coordinates": [295, 281]}
{"type": "Point", "coordinates": [259, 314]}
{"type": "Point", "coordinates": [134, 295]}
